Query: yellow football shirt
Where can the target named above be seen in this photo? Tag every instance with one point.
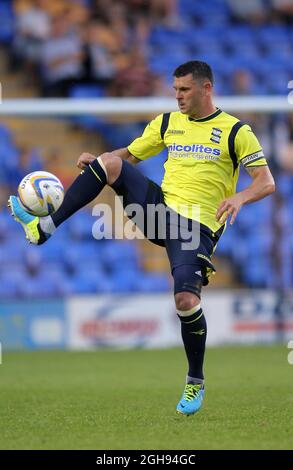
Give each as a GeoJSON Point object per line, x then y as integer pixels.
{"type": "Point", "coordinates": [202, 167]}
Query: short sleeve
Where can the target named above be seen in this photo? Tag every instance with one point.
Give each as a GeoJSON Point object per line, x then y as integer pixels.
{"type": "Point", "coordinates": [248, 149]}
{"type": "Point", "coordinates": [150, 143]}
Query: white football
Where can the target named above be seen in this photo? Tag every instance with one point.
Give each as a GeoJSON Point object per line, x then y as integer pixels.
{"type": "Point", "coordinates": [40, 193]}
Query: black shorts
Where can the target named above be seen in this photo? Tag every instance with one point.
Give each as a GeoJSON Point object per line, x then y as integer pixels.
{"type": "Point", "coordinates": [189, 244]}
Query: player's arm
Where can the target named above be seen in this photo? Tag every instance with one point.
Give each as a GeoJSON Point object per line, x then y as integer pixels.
{"type": "Point", "coordinates": [262, 185]}
{"type": "Point", "coordinates": [250, 154]}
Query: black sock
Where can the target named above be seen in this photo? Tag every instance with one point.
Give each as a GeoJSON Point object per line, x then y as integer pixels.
{"type": "Point", "coordinates": [83, 190]}
{"type": "Point", "coordinates": [194, 333]}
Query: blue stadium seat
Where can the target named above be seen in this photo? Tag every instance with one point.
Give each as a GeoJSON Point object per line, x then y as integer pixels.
{"type": "Point", "coordinates": [85, 283]}
{"type": "Point", "coordinates": [120, 135]}
{"type": "Point", "coordinates": [7, 226]}
{"type": "Point", "coordinates": [18, 275]}
{"type": "Point", "coordinates": [226, 243]}
{"type": "Point", "coordinates": [6, 21]}
{"type": "Point", "coordinates": [259, 273]}
{"type": "Point", "coordinates": [119, 254]}
{"type": "Point", "coordinates": [241, 34]}
{"type": "Point", "coordinates": [52, 251]}
{"type": "Point", "coordinates": [78, 254]}
{"type": "Point", "coordinates": [279, 34]}
{"type": "Point", "coordinates": [152, 283]}
{"type": "Point", "coordinates": [80, 226]}
{"type": "Point", "coordinates": [89, 122]}
{"type": "Point", "coordinates": [161, 67]}
{"type": "Point", "coordinates": [153, 168]}
{"type": "Point", "coordinates": [87, 91]}
{"type": "Point", "coordinates": [42, 285]}
{"type": "Point", "coordinates": [124, 280]}
{"type": "Point", "coordinates": [5, 135]}
{"type": "Point", "coordinates": [200, 45]}
{"type": "Point", "coordinates": [8, 289]}
{"type": "Point", "coordinates": [284, 184]}
{"type": "Point", "coordinates": [11, 253]}
{"type": "Point", "coordinates": [278, 82]}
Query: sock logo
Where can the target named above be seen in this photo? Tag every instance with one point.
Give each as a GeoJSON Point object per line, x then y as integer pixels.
{"type": "Point", "coordinates": [199, 332]}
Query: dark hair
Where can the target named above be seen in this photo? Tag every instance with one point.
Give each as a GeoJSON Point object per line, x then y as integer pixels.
{"type": "Point", "coordinates": [197, 68]}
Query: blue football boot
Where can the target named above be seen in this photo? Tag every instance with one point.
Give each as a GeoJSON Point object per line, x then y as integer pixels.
{"type": "Point", "coordinates": [191, 399]}
{"type": "Point", "coordinates": [29, 223]}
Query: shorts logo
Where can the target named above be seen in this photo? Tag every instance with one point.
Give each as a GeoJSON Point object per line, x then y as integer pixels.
{"type": "Point", "coordinates": [216, 135]}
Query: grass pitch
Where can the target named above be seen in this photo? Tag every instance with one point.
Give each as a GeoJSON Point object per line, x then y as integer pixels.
{"type": "Point", "coordinates": [127, 399]}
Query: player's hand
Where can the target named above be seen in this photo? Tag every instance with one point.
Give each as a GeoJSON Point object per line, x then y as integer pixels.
{"type": "Point", "coordinates": [229, 207]}
{"type": "Point", "coordinates": [85, 159]}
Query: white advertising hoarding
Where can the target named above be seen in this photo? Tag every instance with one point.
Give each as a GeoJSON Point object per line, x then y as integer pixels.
{"type": "Point", "coordinates": [122, 321]}
{"type": "Point", "coordinates": [141, 321]}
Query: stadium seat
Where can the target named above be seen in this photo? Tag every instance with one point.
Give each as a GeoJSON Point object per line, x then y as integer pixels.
{"type": "Point", "coordinates": [39, 286]}
{"type": "Point", "coordinates": [87, 91]}
{"type": "Point", "coordinates": [118, 254]}
{"type": "Point", "coordinates": [152, 282]}
{"type": "Point", "coordinates": [6, 21]}
{"type": "Point", "coordinates": [226, 242]}
{"type": "Point", "coordinates": [80, 227]}
{"type": "Point", "coordinates": [81, 253]}
{"type": "Point", "coordinates": [9, 289]}
{"type": "Point", "coordinates": [11, 254]}
{"type": "Point", "coordinates": [84, 282]}
{"type": "Point", "coordinates": [153, 168]}
{"type": "Point", "coordinates": [90, 122]}
{"type": "Point", "coordinates": [124, 281]}
{"type": "Point", "coordinates": [267, 274]}
{"type": "Point", "coordinates": [5, 135]}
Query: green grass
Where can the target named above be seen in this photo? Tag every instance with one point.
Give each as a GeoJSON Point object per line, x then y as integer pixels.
{"type": "Point", "coordinates": [126, 400]}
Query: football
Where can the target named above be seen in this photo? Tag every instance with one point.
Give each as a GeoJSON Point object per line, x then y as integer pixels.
{"type": "Point", "coordinates": [40, 193]}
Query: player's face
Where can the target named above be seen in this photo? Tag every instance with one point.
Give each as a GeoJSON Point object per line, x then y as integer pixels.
{"type": "Point", "coordinates": [189, 93]}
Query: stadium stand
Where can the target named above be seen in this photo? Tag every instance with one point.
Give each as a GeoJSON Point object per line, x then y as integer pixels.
{"type": "Point", "coordinates": [253, 57]}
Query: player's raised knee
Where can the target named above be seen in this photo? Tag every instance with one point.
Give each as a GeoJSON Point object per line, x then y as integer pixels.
{"type": "Point", "coordinates": [113, 165]}
{"type": "Point", "coordinates": [186, 301]}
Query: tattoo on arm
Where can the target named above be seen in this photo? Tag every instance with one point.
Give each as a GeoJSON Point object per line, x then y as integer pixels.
{"type": "Point", "coordinates": [251, 170]}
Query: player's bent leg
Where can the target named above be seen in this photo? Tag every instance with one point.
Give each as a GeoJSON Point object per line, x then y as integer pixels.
{"type": "Point", "coordinates": [29, 223]}
{"type": "Point", "coordinates": [84, 189]}
{"type": "Point", "coordinates": [135, 188]}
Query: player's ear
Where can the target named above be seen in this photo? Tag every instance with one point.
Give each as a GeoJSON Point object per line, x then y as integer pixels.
{"type": "Point", "coordinates": [208, 88]}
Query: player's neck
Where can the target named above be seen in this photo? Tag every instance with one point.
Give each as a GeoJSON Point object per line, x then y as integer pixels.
{"type": "Point", "coordinates": [204, 112]}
